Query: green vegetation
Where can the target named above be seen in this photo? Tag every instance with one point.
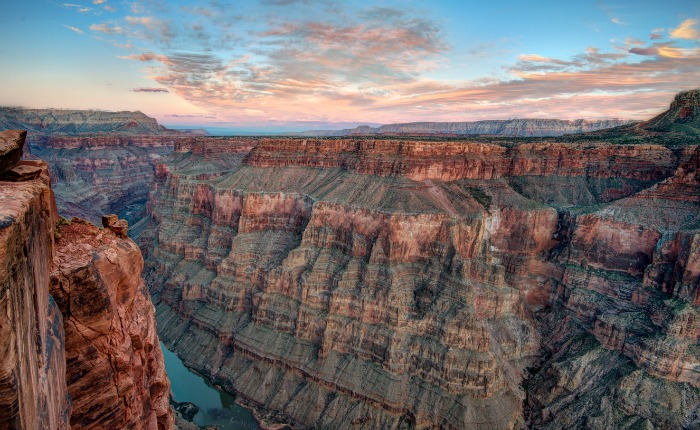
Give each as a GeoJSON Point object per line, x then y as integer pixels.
{"type": "Point", "coordinates": [481, 197]}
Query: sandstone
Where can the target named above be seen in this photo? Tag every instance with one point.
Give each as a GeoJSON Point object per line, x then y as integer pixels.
{"type": "Point", "coordinates": [108, 220]}
{"type": "Point", "coordinates": [21, 173]}
{"type": "Point", "coordinates": [11, 145]}
{"type": "Point", "coordinates": [120, 228]}
{"type": "Point", "coordinates": [115, 371]}
{"type": "Point", "coordinates": [78, 344]}
{"type": "Point", "coordinates": [33, 392]}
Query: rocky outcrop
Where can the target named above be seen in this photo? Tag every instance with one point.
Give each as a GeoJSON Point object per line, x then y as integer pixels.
{"type": "Point", "coordinates": [389, 283]}
{"type": "Point", "coordinates": [526, 127]}
{"type": "Point", "coordinates": [90, 358]}
{"type": "Point", "coordinates": [683, 115]}
{"type": "Point", "coordinates": [115, 371]}
{"type": "Point", "coordinates": [11, 145]}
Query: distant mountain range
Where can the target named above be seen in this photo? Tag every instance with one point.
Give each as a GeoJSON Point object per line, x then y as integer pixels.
{"type": "Point", "coordinates": [72, 122]}
{"type": "Point", "coordinates": [510, 127]}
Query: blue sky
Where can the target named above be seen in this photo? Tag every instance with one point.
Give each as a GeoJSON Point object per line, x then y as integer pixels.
{"type": "Point", "coordinates": [300, 64]}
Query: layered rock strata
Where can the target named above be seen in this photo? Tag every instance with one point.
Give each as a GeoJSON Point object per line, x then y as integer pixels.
{"type": "Point", "coordinates": [93, 360]}
{"type": "Point", "coordinates": [524, 127]}
{"type": "Point", "coordinates": [33, 391]}
{"type": "Point", "coordinates": [115, 371]}
{"type": "Point", "coordinates": [379, 283]}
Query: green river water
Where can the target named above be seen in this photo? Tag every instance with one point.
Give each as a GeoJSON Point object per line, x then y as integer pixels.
{"type": "Point", "coordinates": [215, 406]}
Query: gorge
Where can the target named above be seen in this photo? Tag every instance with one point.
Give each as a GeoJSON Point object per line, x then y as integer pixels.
{"type": "Point", "coordinates": [483, 283]}
{"type": "Point", "coordinates": [488, 282]}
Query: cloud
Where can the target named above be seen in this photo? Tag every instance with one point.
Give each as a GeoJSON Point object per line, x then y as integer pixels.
{"type": "Point", "coordinates": [75, 29]}
{"type": "Point", "coordinates": [146, 56]}
{"type": "Point", "coordinates": [655, 36]}
{"type": "Point", "coordinates": [633, 41]}
{"type": "Point", "coordinates": [686, 30]}
{"type": "Point", "coordinates": [146, 21]}
{"type": "Point", "coordinates": [644, 51]}
{"type": "Point", "coordinates": [174, 115]}
{"type": "Point", "coordinates": [107, 28]}
{"type": "Point", "coordinates": [617, 21]}
{"type": "Point", "coordinates": [98, 1]}
{"type": "Point", "coordinates": [78, 8]}
{"type": "Point", "coordinates": [300, 63]}
{"type": "Point", "coordinates": [150, 90]}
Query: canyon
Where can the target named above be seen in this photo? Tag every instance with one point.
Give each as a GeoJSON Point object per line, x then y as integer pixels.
{"type": "Point", "coordinates": [78, 343]}
{"type": "Point", "coordinates": [378, 281]}
{"type": "Point", "coordinates": [487, 283]}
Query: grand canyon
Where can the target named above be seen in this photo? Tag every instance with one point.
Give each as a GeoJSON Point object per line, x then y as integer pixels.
{"type": "Point", "coordinates": [323, 214]}
{"type": "Point", "coordinates": [364, 280]}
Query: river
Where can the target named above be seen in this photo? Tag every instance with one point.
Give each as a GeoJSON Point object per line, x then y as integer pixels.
{"type": "Point", "coordinates": [215, 406]}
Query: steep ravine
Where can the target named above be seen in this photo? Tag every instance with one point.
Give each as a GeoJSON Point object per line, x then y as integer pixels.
{"type": "Point", "coordinates": [359, 283]}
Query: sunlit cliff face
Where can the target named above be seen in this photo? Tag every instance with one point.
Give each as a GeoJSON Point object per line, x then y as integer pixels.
{"type": "Point", "coordinates": [313, 63]}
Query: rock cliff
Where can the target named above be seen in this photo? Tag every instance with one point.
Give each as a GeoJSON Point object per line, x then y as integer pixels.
{"type": "Point", "coordinates": [91, 357]}
{"type": "Point", "coordinates": [115, 372]}
{"type": "Point", "coordinates": [100, 162]}
{"type": "Point", "coordinates": [464, 284]}
{"type": "Point", "coordinates": [524, 127]}
{"type": "Point", "coordinates": [71, 122]}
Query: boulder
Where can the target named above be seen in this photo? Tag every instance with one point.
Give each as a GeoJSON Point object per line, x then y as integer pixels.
{"type": "Point", "coordinates": [108, 220]}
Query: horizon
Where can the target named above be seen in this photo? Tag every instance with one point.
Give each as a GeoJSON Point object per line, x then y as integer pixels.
{"type": "Point", "coordinates": [294, 65]}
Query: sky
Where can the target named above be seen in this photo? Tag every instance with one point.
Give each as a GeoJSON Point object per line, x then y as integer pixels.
{"type": "Point", "coordinates": [290, 65]}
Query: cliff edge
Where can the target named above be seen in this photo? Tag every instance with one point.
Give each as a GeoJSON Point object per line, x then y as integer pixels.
{"type": "Point", "coordinates": [91, 357]}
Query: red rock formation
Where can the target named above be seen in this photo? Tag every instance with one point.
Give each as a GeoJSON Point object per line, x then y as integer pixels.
{"type": "Point", "coordinates": [115, 371]}
{"type": "Point", "coordinates": [93, 360]}
{"type": "Point", "coordinates": [11, 144]}
{"type": "Point", "coordinates": [33, 393]}
{"type": "Point", "coordinates": [450, 161]}
{"type": "Point", "coordinates": [377, 282]}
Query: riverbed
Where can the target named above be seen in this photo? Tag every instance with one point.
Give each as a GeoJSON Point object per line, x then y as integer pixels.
{"type": "Point", "coordinates": [215, 406]}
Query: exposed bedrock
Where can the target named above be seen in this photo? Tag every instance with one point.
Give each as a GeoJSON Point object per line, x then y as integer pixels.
{"type": "Point", "coordinates": [390, 283]}
{"type": "Point", "coordinates": [98, 174]}
{"type": "Point", "coordinates": [90, 359]}
{"type": "Point", "coordinates": [114, 365]}
{"type": "Point", "coordinates": [510, 127]}
{"type": "Point", "coordinates": [33, 392]}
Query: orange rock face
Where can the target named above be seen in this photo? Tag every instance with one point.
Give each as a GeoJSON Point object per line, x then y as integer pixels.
{"type": "Point", "coordinates": [33, 392]}
{"type": "Point", "coordinates": [93, 360]}
{"type": "Point", "coordinates": [115, 371]}
{"type": "Point", "coordinates": [449, 161]}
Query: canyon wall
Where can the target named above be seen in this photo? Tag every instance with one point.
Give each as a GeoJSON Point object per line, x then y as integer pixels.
{"type": "Point", "coordinates": [522, 127]}
{"type": "Point", "coordinates": [100, 162]}
{"type": "Point", "coordinates": [78, 344]}
{"type": "Point", "coordinates": [33, 391]}
{"type": "Point", "coordinates": [391, 283]}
